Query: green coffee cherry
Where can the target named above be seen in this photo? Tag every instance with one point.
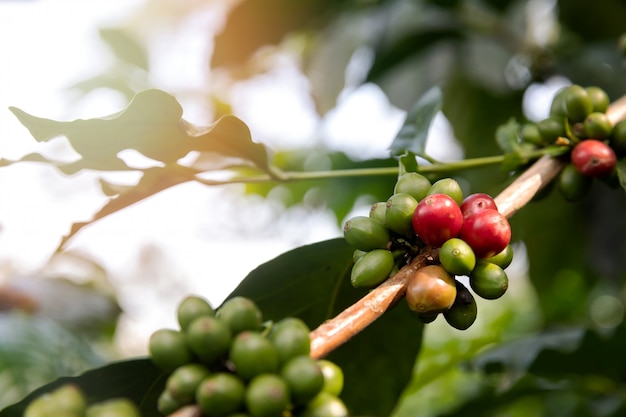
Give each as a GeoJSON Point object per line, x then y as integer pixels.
{"type": "Point", "coordinates": [448, 186]}
{"type": "Point", "coordinates": [240, 314]}
{"type": "Point", "coordinates": [463, 312]}
{"type": "Point", "coordinates": [168, 349]}
{"type": "Point", "coordinates": [530, 134]}
{"type": "Point", "coordinates": [333, 377]}
{"type": "Point", "coordinates": [365, 234]}
{"type": "Point", "coordinates": [414, 184]}
{"type": "Point", "coordinates": [69, 399]}
{"type": "Point", "coordinates": [357, 254]}
{"type": "Point", "coordinates": [191, 307]}
{"type": "Point", "coordinates": [267, 395]}
{"type": "Point", "coordinates": [221, 394]}
{"type": "Point", "coordinates": [598, 126]}
{"type": "Point", "coordinates": [577, 103]}
{"type": "Point", "coordinates": [557, 107]}
{"type": "Point", "coordinates": [399, 214]}
{"type": "Point", "coordinates": [551, 129]}
{"type": "Point", "coordinates": [184, 381]}
{"type": "Point", "coordinates": [372, 269]}
{"type": "Point", "coordinates": [116, 407]}
{"type": "Point", "coordinates": [572, 184]}
{"type": "Point", "coordinates": [618, 138]}
{"type": "Point", "coordinates": [489, 281]}
{"type": "Point", "coordinates": [304, 378]}
{"type": "Point", "coordinates": [325, 405]}
{"type": "Point", "coordinates": [209, 338]}
{"type": "Point", "coordinates": [502, 259]}
{"type": "Point", "coordinates": [599, 99]}
{"type": "Point", "coordinates": [252, 355]}
{"type": "Point", "coordinates": [166, 404]}
{"type": "Point", "coordinates": [457, 257]}
{"type": "Point", "coordinates": [290, 337]}
{"type": "Point", "coordinates": [377, 211]}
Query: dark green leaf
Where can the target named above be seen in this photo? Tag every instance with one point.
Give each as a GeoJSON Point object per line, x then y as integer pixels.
{"type": "Point", "coordinates": [413, 133]}
{"type": "Point", "coordinates": [138, 380]}
{"type": "Point", "coordinates": [313, 283]}
{"type": "Point", "coordinates": [125, 47]}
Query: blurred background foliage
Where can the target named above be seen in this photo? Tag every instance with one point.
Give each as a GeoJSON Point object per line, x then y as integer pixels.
{"type": "Point", "coordinates": [552, 346]}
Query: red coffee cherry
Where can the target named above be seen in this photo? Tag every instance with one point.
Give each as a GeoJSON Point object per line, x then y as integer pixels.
{"type": "Point", "coordinates": [593, 158]}
{"type": "Point", "coordinates": [436, 219]}
{"type": "Point", "coordinates": [477, 202]}
{"type": "Point", "coordinates": [487, 232]}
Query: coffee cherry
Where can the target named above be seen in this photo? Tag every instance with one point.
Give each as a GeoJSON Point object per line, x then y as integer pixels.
{"type": "Point", "coordinates": [477, 202]}
{"type": "Point", "coordinates": [489, 281]}
{"type": "Point", "coordinates": [220, 394]}
{"type": "Point", "coordinates": [192, 307]}
{"type": "Point", "coordinates": [593, 158]}
{"type": "Point", "coordinates": [551, 129]}
{"type": "Point", "coordinates": [449, 187]}
{"type": "Point", "coordinates": [252, 355]}
{"type": "Point", "coordinates": [304, 378]}
{"type": "Point", "coordinates": [463, 312]}
{"type": "Point", "coordinates": [576, 103]}
{"type": "Point", "coordinates": [437, 218]}
{"type": "Point", "coordinates": [399, 213]}
{"type": "Point", "coordinates": [599, 99]}
{"type": "Point", "coordinates": [115, 407]}
{"type": "Point", "coordinates": [291, 338]}
{"type": "Point", "coordinates": [530, 134]}
{"type": "Point", "coordinates": [487, 232]}
{"type": "Point", "coordinates": [209, 338]}
{"type": "Point", "coordinates": [325, 405]}
{"type": "Point", "coordinates": [184, 381]}
{"type": "Point", "coordinates": [240, 314]}
{"type": "Point", "coordinates": [365, 234]}
{"type": "Point", "coordinates": [598, 126]}
{"type": "Point", "coordinates": [427, 317]}
{"type": "Point", "coordinates": [618, 138]}
{"type": "Point", "coordinates": [557, 107]}
{"type": "Point", "coordinates": [267, 395]}
{"type": "Point", "coordinates": [168, 349]}
{"type": "Point", "coordinates": [572, 184]}
{"type": "Point", "coordinates": [333, 377]}
{"type": "Point", "coordinates": [430, 290]}
{"type": "Point", "coordinates": [166, 404]}
{"type": "Point", "coordinates": [377, 212]}
{"type": "Point", "coordinates": [502, 259]}
{"type": "Point", "coordinates": [414, 184]}
{"type": "Point", "coordinates": [457, 257]}
{"type": "Point", "coordinates": [372, 269]}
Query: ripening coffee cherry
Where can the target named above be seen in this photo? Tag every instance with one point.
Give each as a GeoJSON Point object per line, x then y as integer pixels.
{"type": "Point", "coordinates": [240, 314]}
{"type": "Point", "coordinates": [333, 377]}
{"type": "Point", "coordinates": [593, 158]}
{"type": "Point", "coordinates": [573, 184]}
{"type": "Point", "coordinates": [192, 307]}
{"type": "Point", "coordinates": [477, 202]}
{"type": "Point", "coordinates": [304, 378]}
{"type": "Point", "coordinates": [267, 395]}
{"type": "Point", "coordinates": [209, 338]}
{"type": "Point", "coordinates": [599, 98]}
{"type": "Point", "coordinates": [598, 126]}
{"type": "Point", "coordinates": [430, 290]}
{"type": "Point", "coordinates": [502, 259]}
{"type": "Point", "coordinates": [365, 234]}
{"type": "Point", "coordinates": [576, 103]}
{"type": "Point", "coordinates": [399, 213]}
{"type": "Point", "coordinates": [414, 184]}
{"type": "Point", "coordinates": [489, 281]}
{"type": "Point", "coordinates": [463, 312]}
{"type": "Point", "coordinates": [448, 186]}
{"type": "Point", "coordinates": [168, 349]}
{"type": "Point", "coordinates": [488, 232]}
{"type": "Point", "coordinates": [184, 381]}
{"type": "Point", "coordinates": [252, 354]}
{"type": "Point", "coordinates": [221, 394]}
{"type": "Point", "coordinates": [290, 337]}
{"type": "Point", "coordinates": [372, 269]}
{"type": "Point", "coordinates": [437, 218]}
{"type": "Point", "coordinates": [457, 257]}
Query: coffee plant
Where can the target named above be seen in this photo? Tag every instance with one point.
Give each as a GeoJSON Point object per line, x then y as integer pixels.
{"type": "Point", "coordinates": [487, 285]}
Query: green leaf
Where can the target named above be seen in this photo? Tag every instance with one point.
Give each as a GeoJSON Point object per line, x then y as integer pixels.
{"type": "Point", "coordinates": [125, 47]}
{"type": "Point", "coordinates": [407, 163]}
{"type": "Point", "coordinates": [507, 136]}
{"type": "Point", "coordinates": [414, 132]}
{"type": "Point", "coordinates": [313, 282]}
{"type": "Point", "coordinates": [138, 380]}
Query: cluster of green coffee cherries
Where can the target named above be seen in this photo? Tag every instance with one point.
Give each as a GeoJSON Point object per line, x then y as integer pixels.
{"type": "Point", "coordinates": [467, 235]}
{"type": "Point", "coordinates": [230, 363]}
{"type": "Point", "coordinates": [69, 401]}
{"type": "Point", "coordinates": [578, 120]}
